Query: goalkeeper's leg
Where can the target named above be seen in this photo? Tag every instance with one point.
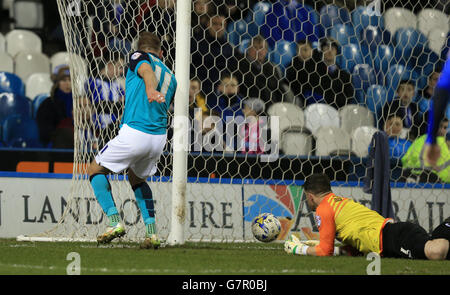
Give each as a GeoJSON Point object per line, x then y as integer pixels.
{"type": "Point", "coordinates": [144, 199]}
{"type": "Point", "coordinates": [442, 232]}
{"type": "Point", "coordinates": [102, 191]}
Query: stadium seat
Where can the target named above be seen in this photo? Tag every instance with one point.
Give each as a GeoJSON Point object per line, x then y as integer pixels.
{"type": "Point", "coordinates": [243, 46]}
{"type": "Point", "coordinates": [296, 143]}
{"type": "Point", "coordinates": [425, 61]}
{"type": "Point", "coordinates": [376, 98]}
{"type": "Point", "coordinates": [351, 56]}
{"type": "Point", "coordinates": [343, 33]}
{"type": "Point", "coordinates": [430, 19]}
{"type": "Point", "coordinates": [38, 83]}
{"type": "Point", "coordinates": [283, 53]}
{"type": "Point", "coordinates": [6, 63]}
{"type": "Point", "coordinates": [436, 40]}
{"type": "Point", "coordinates": [409, 38]}
{"type": "Point", "coordinates": [290, 115]}
{"type": "Point", "coordinates": [332, 140]}
{"type": "Point", "coordinates": [28, 14]}
{"type": "Point", "coordinates": [2, 43]}
{"type": "Point", "coordinates": [372, 37]}
{"type": "Point", "coordinates": [383, 58]}
{"type": "Point", "coordinates": [14, 104]}
{"type": "Point", "coordinates": [446, 48]}
{"type": "Point", "coordinates": [36, 102]}
{"type": "Point", "coordinates": [58, 59]}
{"type": "Point", "coordinates": [10, 82]}
{"type": "Point", "coordinates": [397, 17]}
{"type": "Point", "coordinates": [320, 114]}
{"type": "Point", "coordinates": [331, 15]}
{"type": "Point", "coordinates": [352, 116]}
{"type": "Point", "coordinates": [19, 40]}
{"type": "Point", "coordinates": [237, 31]}
{"type": "Point", "coordinates": [363, 17]}
{"type": "Point", "coordinates": [361, 138]}
{"type": "Point", "coordinates": [363, 76]}
{"type": "Point", "coordinates": [258, 13]}
{"type": "Point", "coordinates": [19, 131]}
{"type": "Point", "coordinates": [29, 62]}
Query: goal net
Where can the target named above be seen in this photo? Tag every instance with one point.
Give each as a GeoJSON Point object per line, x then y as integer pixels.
{"type": "Point", "coordinates": [277, 90]}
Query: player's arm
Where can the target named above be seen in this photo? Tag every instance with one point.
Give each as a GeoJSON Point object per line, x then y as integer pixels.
{"type": "Point", "coordinates": [327, 232]}
{"type": "Point", "coordinates": [140, 64]}
{"type": "Point", "coordinates": [436, 114]}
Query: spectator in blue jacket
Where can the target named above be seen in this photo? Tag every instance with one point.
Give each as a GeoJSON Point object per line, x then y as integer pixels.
{"type": "Point", "coordinates": [393, 128]}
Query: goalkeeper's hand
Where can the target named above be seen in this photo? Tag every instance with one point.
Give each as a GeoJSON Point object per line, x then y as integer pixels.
{"type": "Point", "coordinates": [295, 248]}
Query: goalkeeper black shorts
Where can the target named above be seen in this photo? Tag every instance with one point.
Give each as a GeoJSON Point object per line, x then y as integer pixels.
{"type": "Point", "coordinates": [404, 240]}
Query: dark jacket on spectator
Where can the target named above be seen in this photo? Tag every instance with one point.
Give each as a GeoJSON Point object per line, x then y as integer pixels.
{"type": "Point", "coordinates": [54, 119]}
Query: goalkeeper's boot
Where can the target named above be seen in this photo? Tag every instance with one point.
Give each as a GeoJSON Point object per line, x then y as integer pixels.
{"type": "Point", "coordinates": [111, 233]}
{"type": "Point", "coordinates": [151, 242]}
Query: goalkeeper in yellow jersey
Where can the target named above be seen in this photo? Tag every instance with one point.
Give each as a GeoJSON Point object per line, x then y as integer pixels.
{"type": "Point", "coordinates": [363, 229]}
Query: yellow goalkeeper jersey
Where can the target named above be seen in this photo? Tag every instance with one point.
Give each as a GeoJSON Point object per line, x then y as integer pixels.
{"type": "Point", "coordinates": [349, 222]}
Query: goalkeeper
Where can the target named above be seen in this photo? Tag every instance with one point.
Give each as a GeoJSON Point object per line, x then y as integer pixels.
{"type": "Point", "coordinates": [357, 226]}
{"type": "Point", "coordinates": [436, 114]}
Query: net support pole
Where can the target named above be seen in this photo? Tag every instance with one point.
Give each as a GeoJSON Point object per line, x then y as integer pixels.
{"type": "Point", "coordinates": [181, 121]}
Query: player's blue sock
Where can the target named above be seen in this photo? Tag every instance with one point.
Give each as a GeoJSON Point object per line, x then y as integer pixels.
{"type": "Point", "coordinates": [102, 191]}
{"type": "Point", "coordinates": [144, 198]}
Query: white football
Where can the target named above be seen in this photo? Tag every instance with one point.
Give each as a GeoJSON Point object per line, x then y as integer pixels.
{"type": "Point", "coordinates": [266, 227]}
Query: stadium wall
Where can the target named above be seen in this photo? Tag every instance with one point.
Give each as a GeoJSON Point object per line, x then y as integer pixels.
{"type": "Point", "coordinates": [32, 203]}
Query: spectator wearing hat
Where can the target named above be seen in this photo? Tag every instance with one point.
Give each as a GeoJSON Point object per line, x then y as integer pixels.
{"type": "Point", "coordinates": [250, 132]}
{"type": "Point", "coordinates": [55, 114]}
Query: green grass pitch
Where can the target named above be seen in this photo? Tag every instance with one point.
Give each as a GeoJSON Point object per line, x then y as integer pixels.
{"type": "Point", "coordinates": [23, 258]}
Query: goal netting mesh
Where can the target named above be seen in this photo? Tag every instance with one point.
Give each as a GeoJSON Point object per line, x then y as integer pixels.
{"type": "Point", "coordinates": [332, 73]}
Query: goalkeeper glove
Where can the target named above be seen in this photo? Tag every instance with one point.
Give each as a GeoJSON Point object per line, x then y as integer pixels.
{"type": "Point", "coordinates": [295, 248]}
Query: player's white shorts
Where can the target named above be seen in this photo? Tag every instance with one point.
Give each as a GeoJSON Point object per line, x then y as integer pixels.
{"type": "Point", "coordinates": [133, 149]}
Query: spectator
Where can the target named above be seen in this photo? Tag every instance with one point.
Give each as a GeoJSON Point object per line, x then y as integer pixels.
{"type": "Point", "coordinates": [303, 75]}
{"type": "Point", "coordinates": [86, 132]}
{"type": "Point", "coordinates": [250, 132]}
{"type": "Point", "coordinates": [107, 95]}
{"type": "Point", "coordinates": [393, 128]}
{"type": "Point", "coordinates": [413, 159]}
{"type": "Point", "coordinates": [260, 78]}
{"type": "Point", "coordinates": [404, 107]}
{"type": "Point", "coordinates": [335, 83]}
{"type": "Point", "coordinates": [199, 16]}
{"type": "Point", "coordinates": [54, 116]}
{"type": "Point", "coordinates": [426, 93]}
{"type": "Point", "coordinates": [226, 101]}
{"type": "Point", "coordinates": [211, 53]}
{"type": "Point", "coordinates": [237, 10]}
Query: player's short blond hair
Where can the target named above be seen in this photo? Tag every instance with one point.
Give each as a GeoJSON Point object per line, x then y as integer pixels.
{"type": "Point", "coordinates": [149, 41]}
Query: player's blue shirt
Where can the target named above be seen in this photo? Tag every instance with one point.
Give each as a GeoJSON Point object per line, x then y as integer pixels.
{"type": "Point", "coordinates": [139, 113]}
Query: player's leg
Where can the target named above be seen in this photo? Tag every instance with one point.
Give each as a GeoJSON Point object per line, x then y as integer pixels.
{"type": "Point", "coordinates": [441, 234]}
{"type": "Point", "coordinates": [404, 240]}
{"type": "Point", "coordinates": [102, 192]}
{"type": "Point", "coordinates": [144, 199]}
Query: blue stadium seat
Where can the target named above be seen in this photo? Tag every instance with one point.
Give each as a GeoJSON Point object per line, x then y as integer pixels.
{"type": "Point", "coordinates": [19, 131]}
{"type": "Point", "coordinates": [283, 53]}
{"type": "Point", "coordinates": [397, 73]}
{"type": "Point", "coordinates": [363, 76]}
{"type": "Point", "coordinates": [238, 31]}
{"type": "Point", "coordinates": [409, 38]}
{"type": "Point", "coordinates": [376, 97]}
{"type": "Point", "coordinates": [383, 57]}
{"type": "Point", "coordinates": [11, 104]}
{"type": "Point", "coordinates": [10, 82]}
{"type": "Point", "coordinates": [372, 37]}
{"type": "Point", "coordinates": [37, 102]}
{"type": "Point", "coordinates": [351, 56]}
{"type": "Point", "coordinates": [425, 61]}
{"type": "Point", "coordinates": [258, 14]}
{"type": "Point", "coordinates": [343, 33]}
{"type": "Point", "coordinates": [331, 15]}
{"type": "Point", "coordinates": [362, 17]}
